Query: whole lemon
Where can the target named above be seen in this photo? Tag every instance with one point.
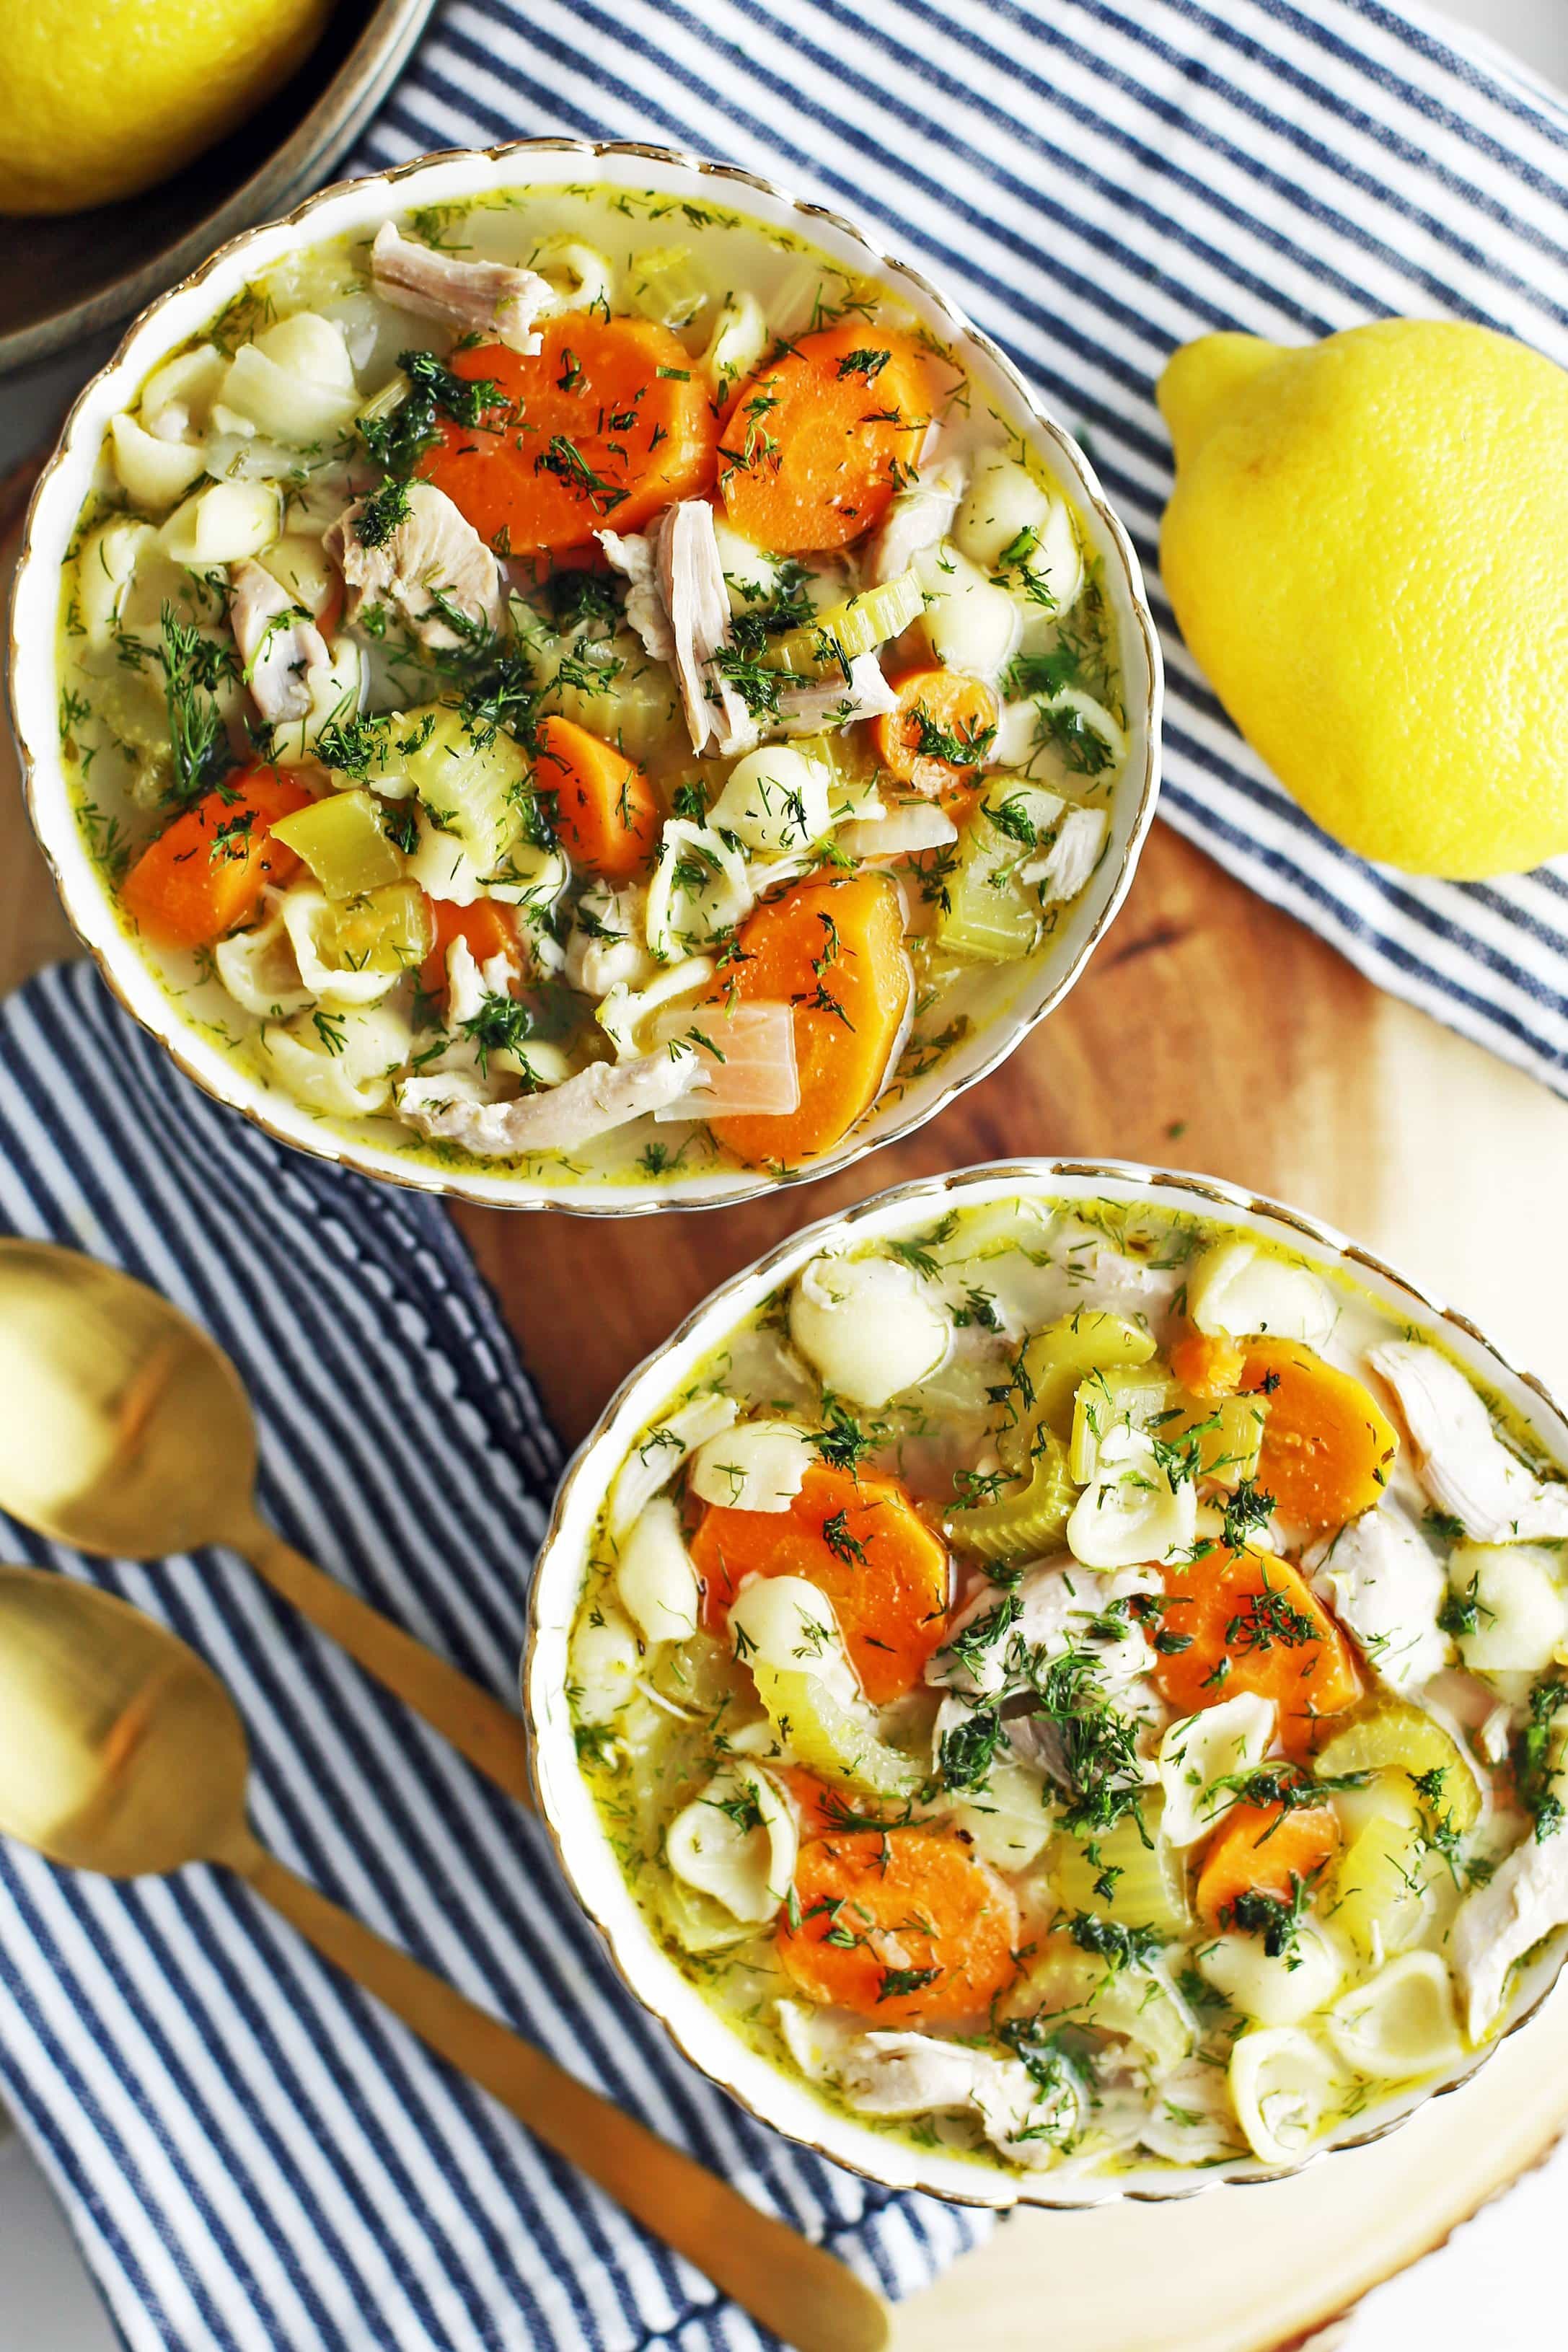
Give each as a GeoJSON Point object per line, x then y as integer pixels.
{"type": "Point", "coordinates": [103, 97]}
{"type": "Point", "coordinates": [1367, 551]}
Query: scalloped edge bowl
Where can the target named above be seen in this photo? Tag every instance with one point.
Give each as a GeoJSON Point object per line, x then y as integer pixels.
{"type": "Point", "coordinates": [358, 207]}
{"type": "Point", "coordinates": [581, 1849]}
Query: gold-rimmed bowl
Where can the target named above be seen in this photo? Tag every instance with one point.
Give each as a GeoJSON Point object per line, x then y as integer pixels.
{"type": "Point", "coordinates": [583, 1849]}
{"type": "Point", "coordinates": [1008, 1001]}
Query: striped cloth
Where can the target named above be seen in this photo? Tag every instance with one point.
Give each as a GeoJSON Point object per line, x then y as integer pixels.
{"type": "Point", "coordinates": [1096, 183]}
{"type": "Point", "coordinates": [254, 2158]}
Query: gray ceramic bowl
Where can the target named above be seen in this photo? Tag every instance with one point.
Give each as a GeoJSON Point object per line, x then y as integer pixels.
{"type": "Point", "coordinates": [64, 279]}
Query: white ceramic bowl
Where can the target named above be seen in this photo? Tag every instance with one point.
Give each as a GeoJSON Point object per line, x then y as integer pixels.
{"type": "Point", "coordinates": [1015, 996]}
{"type": "Point", "coordinates": [584, 1852]}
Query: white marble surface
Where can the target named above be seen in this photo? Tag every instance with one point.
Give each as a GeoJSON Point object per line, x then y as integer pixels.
{"type": "Point", "coordinates": [1494, 2288]}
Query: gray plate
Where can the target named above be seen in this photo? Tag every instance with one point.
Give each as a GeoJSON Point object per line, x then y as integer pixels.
{"type": "Point", "coordinates": [61, 279]}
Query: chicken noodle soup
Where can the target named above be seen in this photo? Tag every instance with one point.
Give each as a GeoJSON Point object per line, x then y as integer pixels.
{"type": "Point", "coordinates": [1084, 1689]}
{"type": "Point", "coordinates": [581, 674]}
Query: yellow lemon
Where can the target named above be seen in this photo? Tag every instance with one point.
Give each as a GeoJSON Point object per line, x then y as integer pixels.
{"type": "Point", "coordinates": [1367, 551]}
{"type": "Point", "coordinates": [103, 97]}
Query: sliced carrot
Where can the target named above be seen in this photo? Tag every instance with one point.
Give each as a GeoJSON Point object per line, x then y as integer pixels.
{"type": "Point", "coordinates": [204, 875]}
{"type": "Point", "coordinates": [816, 443]}
{"type": "Point", "coordinates": [601, 427]}
{"type": "Point", "coordinates": [488, 926]}
{"type": "Point", "coordinates": [859, 1540]}
{"type": "Point", "coordinates": [834, 951]}
{"type": "Point", "coordinates": [1250, 1623]}
{"type": "Point", "coordinates": [1327, 1449]}
{"type": "Point", "coordinates": [943, 729]}
{"type": "Point", "coordinates": [1264, 1850]}
{"type": "Point", "coordinates": [821, 1808]}
{"type": "Point", "coordinates": [1207, 1364]}
{"type": "Point", "coordinates": [904, 1925]}
{"type": "Point", "coordinates": [605, 806]}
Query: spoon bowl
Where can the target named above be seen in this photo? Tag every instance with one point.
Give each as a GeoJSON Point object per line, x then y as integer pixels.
{"type": "Point", "coordinates": [125, 1430]}
{"type": "Point", "coordinates": [121, 1752]}
{"type": "Point", "coordinates": [137, 1438]}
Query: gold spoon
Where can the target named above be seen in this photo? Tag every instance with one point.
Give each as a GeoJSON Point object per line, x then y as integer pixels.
{"type": "Point", "coordinates": [121, 1752]}
{"type": "Point", "coordinates": [124, 1430]}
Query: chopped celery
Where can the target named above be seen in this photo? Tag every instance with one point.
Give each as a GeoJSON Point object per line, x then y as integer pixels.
{"type": "Point", "coordinates": [1107, 1398]}
{"type": "Point", "coordinates": [664, 285]}
{"type": "Point", "coordinates": [1231, 1437]}
{"type": "Point", "coordinates": [1025, 1523]}
{"type": "Point", "coordinates": [474, 781]}
{"type": "Point", "coordinates": [825, 751]}
{"type": "Point", "coordinates": [1142, 1870]}
{"type": "Point", "coordinates": [827, 1736]}
{"type": "Point", "coordinates": [390, 929]}
{"type": "Point", "coordinates": [1005, 1819]}
{"type": "Point", "coordinates": [1395, 1737]}
{"type": "Point", "coordinates": [1053, 1363]}
{"type": "Point", "coordinates": [987, 914]}
{"type": "Point", "coordinates": [1378, 1897]}
{"type": "Point", "coordinates": [697, 1922]}
{"type": "Point", "coordinates": [856, 626]}
{"type": "Point", "coordinates": [342, 842]}
{"type": "Point", "coordinates": [1068, 1986]}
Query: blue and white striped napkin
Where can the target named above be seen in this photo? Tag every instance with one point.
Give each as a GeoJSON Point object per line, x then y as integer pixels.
{"type": "Point", "coordinates": [254, 2158]}
{"type": "Point", "coordinates": [1096, 182]}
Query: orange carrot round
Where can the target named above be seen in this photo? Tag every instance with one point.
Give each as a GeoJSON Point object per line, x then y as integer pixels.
{"type": "Point", "coordinates": [1250, 1623]}
{"type": "Point", "coordinates": [1207, 1364]}
{"type": "Point", "coordinates": [904, 1927]}
{"type": "Point", "coordinates": [605, 812]}
{"type": "Point", "coordinates": [1327, 1449]}
{"type": "Point", "coordinates": [604, 424]}
{"type": "Point", "coordinates": [204, 875]}
{"type": "Point", "coordinates": [834, 951]}
{"type": "Point", "coordinates": [487, 926]}
{"type": "Point", "coordinates": [1264, 1850]}
{"type": "Point", "coordinates": [943, 729]}
{"type": "Point", "coordinates": [816, 443]}
{"type": "Point", "coordinates": [859, 1540]}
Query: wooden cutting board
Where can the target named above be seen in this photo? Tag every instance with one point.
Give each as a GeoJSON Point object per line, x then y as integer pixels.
{"type": "Point", "coordinates": [1211, 1032]}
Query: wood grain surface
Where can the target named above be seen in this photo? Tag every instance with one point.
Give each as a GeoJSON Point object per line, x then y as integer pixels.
{"type": "Point", "coordinates": [1211, 1032]}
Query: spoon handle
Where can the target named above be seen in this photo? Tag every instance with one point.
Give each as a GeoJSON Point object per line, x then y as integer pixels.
{"type": "Point", "coordinates": [477, 1723]}
{"type": "Point", "coordinates": [800, 2291]}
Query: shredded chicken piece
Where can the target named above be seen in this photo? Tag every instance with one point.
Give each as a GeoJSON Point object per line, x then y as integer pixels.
{"type": "Point", "coordinates": [1386, 1587]}
{"type": "Point", "coordinates": [918, 519]}
{"type": "Point", "coordinates": [680, 607]}
{"type": "Point", "coordinates": [279, 642]}
{"type": "Point", "coordinates": [1465, 1466]}
{"type": "Point", "coordinates": [694, 594]}
{"type": "Point", "coordinates": [864, 694]}
{"type": "Point", "coordinates": [1057, 1605]}
{"type": "Point", "coordinates": [604, 1096]}
{"type": "Point", "coordinates": [435, 551]}
{"type": "Point", "coordinates": [1104, 1275]}
{"type": "Point", "coordinates": [907, 828]}
{"type": "Point", "coordinates": [1496, 1925]}
{"type": "Point", "coordinates": [1072, 857]}
{"type": "Point", "coordinates": [484, 297]}
{"type": "Point", "coordinates": [633, 556]}
{"type": "Point", "coordinates": [919, 2074]}
{"type": "Point", "coordinates": [607, 945]}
